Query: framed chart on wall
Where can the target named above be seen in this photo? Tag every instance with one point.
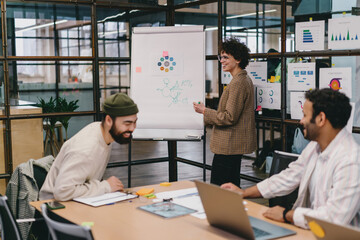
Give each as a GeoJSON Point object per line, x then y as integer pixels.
{"type": "Point", "coordinates": [167, 76]}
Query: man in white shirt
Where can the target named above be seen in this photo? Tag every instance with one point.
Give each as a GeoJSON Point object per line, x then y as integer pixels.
{"type": "Point", "coordinates": [327, 171]}
{"type": "Point", "coordinates": [80, 165]}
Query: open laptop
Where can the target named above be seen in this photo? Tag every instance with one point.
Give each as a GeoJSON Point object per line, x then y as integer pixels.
{"type": "Point", "coordinates": [325, 230]}
{"type": "Point", "coordinates": [224, 209]}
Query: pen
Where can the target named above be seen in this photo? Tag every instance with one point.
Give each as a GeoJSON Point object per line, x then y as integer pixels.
{"type": "Point", "coordinates": [110, 204]}
{"type": "Point", "coordinates": [187, 195]}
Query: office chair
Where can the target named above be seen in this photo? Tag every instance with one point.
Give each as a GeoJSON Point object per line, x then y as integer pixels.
{"type": "Point", "coordinates": [9, 227]}
{"type": "Point", "coordinates": [59, 230]}
{"type": "Point", "coordinates": [281, 161]}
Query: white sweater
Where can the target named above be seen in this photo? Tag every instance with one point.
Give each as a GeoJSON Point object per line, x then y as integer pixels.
{"type": "Point", "coordinates": [79, 167]}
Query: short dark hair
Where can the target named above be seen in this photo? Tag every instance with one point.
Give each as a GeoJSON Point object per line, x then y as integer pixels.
{"type": "Point", "coordinates": [238, 50]}
{"type": "Point", "coordinates": [103, 116]}
{"type": "Point", "coordinates": [334, 104]}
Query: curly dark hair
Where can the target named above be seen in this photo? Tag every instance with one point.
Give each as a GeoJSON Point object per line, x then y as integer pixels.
{"type": "Point", "coordinates": [334, 104]}
{"type": "Point", "coordinates": [237, 49]}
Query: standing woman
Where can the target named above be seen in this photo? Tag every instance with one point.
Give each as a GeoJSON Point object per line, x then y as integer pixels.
{"type": "Point", "coordinates": [233, 122]}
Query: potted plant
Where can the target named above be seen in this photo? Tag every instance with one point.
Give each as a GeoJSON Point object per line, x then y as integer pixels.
{"type": "Point", "coordinates": [52, 106]}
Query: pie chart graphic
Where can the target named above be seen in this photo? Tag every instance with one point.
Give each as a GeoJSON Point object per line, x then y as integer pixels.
{"type": "Point", "coordinates": [166, 64]}
{"type": "Point", "coordinates": [335, 84]}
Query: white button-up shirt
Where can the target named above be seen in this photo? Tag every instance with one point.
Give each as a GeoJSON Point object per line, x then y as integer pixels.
{"type": "Point", "coordinates": [329, 182]}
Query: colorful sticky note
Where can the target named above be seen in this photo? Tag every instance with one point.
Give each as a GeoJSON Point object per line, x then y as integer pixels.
{"type": "Point", "coordinates": [165, 53]}
{"type": "Point", "coordinates": [316, 229]}
{"type": "Point", "coordinates": [272, 79]}
{"type": "Point", "coordinates": [145, 191]}
{"type": "Point", "coordinates": [89, 224]}
{"type": "Point", "coordinates": [166, 184]}
{"type": "Point", "coordinates": [150, 196]}
{"type": "Point", "coordinates": [138, 69]}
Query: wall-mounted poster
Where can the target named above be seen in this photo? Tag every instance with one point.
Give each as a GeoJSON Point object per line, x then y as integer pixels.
{"type": "Point", "coordinates": [310, 35]}
{"type": "Point", "coordinates": [344, 33]}
{"type": "Point", "coordinates": [269, 96]}
{"type": "Point", "coordinates": [338, 79]}
{"type": "Point", "coordinates": [257, 71]}
{"type": "Point", "coordinates": [297, 100]}
{"type": "Point", "coordinates": [301, 76]}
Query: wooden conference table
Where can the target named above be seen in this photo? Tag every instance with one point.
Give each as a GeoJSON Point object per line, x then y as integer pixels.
{"type": "Point", "coordinates": [123, 221]}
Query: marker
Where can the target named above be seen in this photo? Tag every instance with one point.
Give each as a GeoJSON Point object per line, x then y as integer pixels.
{"type": "Point", "coordinates": [110, 204]}
{"type": "Point", "coordinates": [198, 102]}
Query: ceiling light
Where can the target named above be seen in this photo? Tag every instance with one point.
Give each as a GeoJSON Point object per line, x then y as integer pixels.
{"type": "Point", "coordinates": [251, 14]}
{"type": "Point", "coordinates": [40, 26]}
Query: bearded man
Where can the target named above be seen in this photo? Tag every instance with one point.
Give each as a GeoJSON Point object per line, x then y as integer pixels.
{"type": "Point", "coordinates": [80, 165]}
{"type": "Point", "coordinates": [327, 172]}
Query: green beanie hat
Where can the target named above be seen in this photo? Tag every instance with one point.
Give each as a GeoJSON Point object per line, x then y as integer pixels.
{"type": "Point", "coordinates": [119, 104]}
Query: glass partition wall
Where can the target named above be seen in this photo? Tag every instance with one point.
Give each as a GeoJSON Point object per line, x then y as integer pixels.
{"type": "Point", "coordinates": [59, 60]}
{"type": "Point", "coordinates": [80, 52]}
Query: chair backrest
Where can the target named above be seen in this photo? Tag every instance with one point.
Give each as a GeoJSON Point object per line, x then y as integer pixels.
{"type": "Point", "coordinates": [281, 161]}
{"type": "Point", "coordinates": [59, 230]}
{"type": "Point", "coordinates": [9, 227]}
{"type": "Point", "coordinates": [39, 175]}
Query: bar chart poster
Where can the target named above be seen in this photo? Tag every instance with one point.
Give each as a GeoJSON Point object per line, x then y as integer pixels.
{"type": "Point", "coordinates": [297, 100]}
{"type": "Point", "coordinates": [338, 79]}
{"type": "Point", "coordinates": [301, 76]}
{"type": "Point", "coordinates": [257, 71]}
{"type": "Point", "coordinates": [344, 33]}
{"type": "Point", "coordinates": [269, 96]}
{"type": "Point", "coordinates": [310, 35]}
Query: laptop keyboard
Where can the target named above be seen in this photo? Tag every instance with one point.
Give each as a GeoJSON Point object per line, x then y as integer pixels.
{"type": "Point", "coordinates": [259, 233]}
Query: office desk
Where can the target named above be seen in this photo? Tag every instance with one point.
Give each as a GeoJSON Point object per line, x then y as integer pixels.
{"type": "Point", "coordinates": [123, 221]}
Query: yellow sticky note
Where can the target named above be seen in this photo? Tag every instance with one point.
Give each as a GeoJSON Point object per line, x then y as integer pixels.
{"type": "Point", "coordinates": [316, 229]}
{"type": "Point", "coordinates": [145, 191]}
{"type": "Point", "coordinates": [272, 79]}
{"type": "Point", "coordinates": [166, 184]}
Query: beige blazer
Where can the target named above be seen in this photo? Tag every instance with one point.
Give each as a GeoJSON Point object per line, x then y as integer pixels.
{"type": "Point", "coordinates": [234, 121]}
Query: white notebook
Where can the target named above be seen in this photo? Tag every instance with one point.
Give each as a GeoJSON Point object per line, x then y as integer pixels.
{"type": "Point", "coordinates": [106, 199]}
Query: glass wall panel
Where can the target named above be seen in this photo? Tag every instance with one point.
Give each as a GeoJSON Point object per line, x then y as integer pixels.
{"type": "Point", "coordinates": [75, 40]}
{"type": "Point", "coordinates": [76, 123]}
{"type": "Point", "coordinates": [113, 39]}
{"type": "Point", "coordinates": [114, 28]}
{"type": "Point", "coordinates": [201, 15]}
{"type": "Point", "coordinates": [114, 78]}
{"type": "Point", "coordinates": [32, 81]}
{"type": "Point", "coordinates": [50, 29]}
{"type": "Point", "coordinates": [211, 82]}
{"type": "Point", "coordinates": [258, 25]}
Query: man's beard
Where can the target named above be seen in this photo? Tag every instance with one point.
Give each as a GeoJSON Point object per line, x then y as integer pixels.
{"type": "Point", "coordinates": [119, 137]}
